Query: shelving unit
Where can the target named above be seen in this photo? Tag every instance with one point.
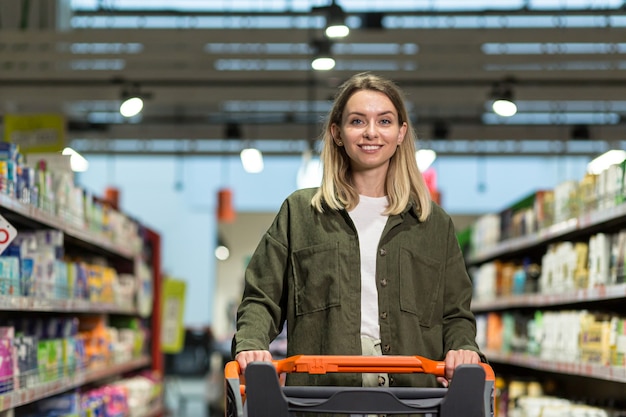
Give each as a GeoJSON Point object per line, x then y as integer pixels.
{"type": "Point", "coordinates": [78, 240]}
{"type": "Point", "coordinates": [47, 389]}
{"type": "Point", "coordinates": [32, 216]}
{"type": "Point", "coordinates": [608, 373]}
{"type": "Point", "coordinates": [583, 225]}
{"type": "Point", "coordinates": [153, 243]}
{"type": "Point", "coordinates": [581, 296]}
{"type": "Point", "coordinates": [603, 383]}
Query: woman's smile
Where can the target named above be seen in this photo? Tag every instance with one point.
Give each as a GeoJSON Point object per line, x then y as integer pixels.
{"type": "Point", "coordinates": [370, 148]}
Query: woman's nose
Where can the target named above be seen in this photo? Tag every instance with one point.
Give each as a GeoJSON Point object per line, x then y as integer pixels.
{"type": "Point", "coordinates": [370, 131]}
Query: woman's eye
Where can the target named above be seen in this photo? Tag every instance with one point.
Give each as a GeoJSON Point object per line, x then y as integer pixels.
{"type": "Point", "coordinates": [356, 121]}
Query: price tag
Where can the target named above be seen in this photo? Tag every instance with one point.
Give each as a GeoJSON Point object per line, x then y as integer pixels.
{"type": "Point", "coordinates": [7, 233]}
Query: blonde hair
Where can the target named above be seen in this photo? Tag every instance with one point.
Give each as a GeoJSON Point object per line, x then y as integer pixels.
{"type": "Point", "coordinates": [404, 180]}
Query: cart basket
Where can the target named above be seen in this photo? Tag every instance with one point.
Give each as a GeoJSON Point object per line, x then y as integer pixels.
{"type": "Point", "coordinates": [259, 393]}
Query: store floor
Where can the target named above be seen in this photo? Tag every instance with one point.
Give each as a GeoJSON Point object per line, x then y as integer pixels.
{"type": "Point", "coordinates": [189, 397]}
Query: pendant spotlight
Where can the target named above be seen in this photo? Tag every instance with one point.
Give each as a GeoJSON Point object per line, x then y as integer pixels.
{"type": "Point", "coordinates": [335, 20]}
{"type": "Point", "coordinates": [322, 58]}
{"type": "Point", "coordinates": [131, 106]}
{"type": "Point", "coordinates": [225, 210]}
{"type": "Point", "coordinates": [222, 252]}
{"type": "Point", "coordinates": [251, 157]}
{"type": "Point", "coordinates": [132, 101]}
{"type": "Point", "coordinates": [252, 160]}
{"type": "Point", "coordinates": [502, 96]}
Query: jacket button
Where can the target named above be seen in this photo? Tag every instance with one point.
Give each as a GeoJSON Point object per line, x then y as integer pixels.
{"type": "Point", "coordinates": [384, 282]}
{"type": "Point", "coordinates": [382, 251]}
{"type": "Point", "coordinates": [383, 315]}
{"type": "Point", "coordinates": [387, 348]}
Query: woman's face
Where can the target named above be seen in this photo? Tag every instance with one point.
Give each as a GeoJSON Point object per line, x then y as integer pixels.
{"type": "Point", "coordinates": [370, 131]}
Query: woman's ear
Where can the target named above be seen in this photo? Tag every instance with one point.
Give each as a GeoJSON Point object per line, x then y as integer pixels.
{"type": "Point", "coordinates": [334, 132]}
{"type": "Point", "coordinates": [402, 133]}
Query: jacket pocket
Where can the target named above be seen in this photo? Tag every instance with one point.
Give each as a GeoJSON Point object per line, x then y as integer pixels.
{"type": "Point", "coordinates": [316, 272]}
{"type": "Point", "coordinates": [420, 278]}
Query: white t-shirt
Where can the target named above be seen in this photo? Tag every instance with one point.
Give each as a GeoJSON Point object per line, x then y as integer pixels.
{"type": "Point", "coordinates": [369, 221]}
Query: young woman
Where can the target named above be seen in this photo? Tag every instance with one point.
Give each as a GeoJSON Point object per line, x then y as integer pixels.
{"type": "Point", "coordinates": [366, 263]}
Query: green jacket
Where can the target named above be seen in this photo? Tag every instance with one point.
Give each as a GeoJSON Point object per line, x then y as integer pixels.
{"type": "Point", "coordinates": [306, 271]}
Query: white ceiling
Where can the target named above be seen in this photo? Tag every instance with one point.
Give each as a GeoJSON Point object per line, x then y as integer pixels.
{"type": "Point", "coordinates": [567, 68]}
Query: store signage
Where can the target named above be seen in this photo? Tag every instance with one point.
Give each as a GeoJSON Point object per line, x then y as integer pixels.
{"type": "Point", "coordinates": [35, 133]}
{"type": "Point", "coordinates": [7, 233]}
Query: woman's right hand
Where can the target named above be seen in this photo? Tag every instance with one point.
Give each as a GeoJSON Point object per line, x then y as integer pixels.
{"type": "Point", "coordinates": [247, 356]}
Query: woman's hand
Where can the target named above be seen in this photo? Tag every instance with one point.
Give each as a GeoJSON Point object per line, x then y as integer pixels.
{"type": "Point", "coordinates": [247, 356]}
{"type": "Point", "coordinates": [455, 358]}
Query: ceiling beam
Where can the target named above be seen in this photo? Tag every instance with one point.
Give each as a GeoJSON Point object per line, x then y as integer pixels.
{"type": "Point", "coordinates": [283, 131]}
{"type": "Point", "coordinates": [444, 148]}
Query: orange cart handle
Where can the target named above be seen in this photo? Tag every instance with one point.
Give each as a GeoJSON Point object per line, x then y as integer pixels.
{"type": "Point", "coordinates": [322, 364]}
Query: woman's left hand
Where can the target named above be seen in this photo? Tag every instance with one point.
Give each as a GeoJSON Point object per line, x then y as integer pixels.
{"type": "Point", "coordinates": [455, 358]}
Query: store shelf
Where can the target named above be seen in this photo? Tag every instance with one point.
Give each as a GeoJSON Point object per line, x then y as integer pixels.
{"type": "Point", "coordinates": [599, 217]}
{"type": "Point", "coordinates": [560, 230]}
{"type": "Point", "coordinates": [26, 396]}
{"type": "Point", "coordinates": [12, 303]}
{"type": "Point", "coordinates": [579, 296]}
{"type": "Point", "coordinates": [28, 211]}
{"type": "Point", "coordinates": [607, 373]}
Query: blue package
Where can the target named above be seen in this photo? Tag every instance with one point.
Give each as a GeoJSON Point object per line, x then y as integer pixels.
{"type": "Point", "coordinates": [27, 269]}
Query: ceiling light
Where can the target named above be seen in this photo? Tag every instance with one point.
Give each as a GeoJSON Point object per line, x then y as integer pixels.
{"type": "Point", "coordinates": [323, 64]}
{"type": "Point", "coordinates": [132, 101]}
{"type": "Point", "coordinates": [310, 172]}
{"type": "Point", "coordinates": [225, 211]}
{"type": "Point", "coordinates": [335, 20]}
{"type": "Point", "coordinates": [132, 106]}
{"type": "Point", "coordinates": [337, 31]}
{"type": "Point", "coordinates": [425, 158]}
{"type": "Point", "coordinates": [602, 162]}
{"type": "Point", "coordinates": [504, 107]}
{"type": "Point", "coordinates": [222, 252]}
{"type": "Point", "coordinates": [78, 163]}
{"type": "Point", "coordinates": [252, 160]}
{"type": "Point", "coordinates": [503, 104]}
{"type": "Point", "coordinates": [322, 60]}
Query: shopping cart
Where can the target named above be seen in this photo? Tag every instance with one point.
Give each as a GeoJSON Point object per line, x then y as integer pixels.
{"type": "Point", "coordinates": [260, 394]}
